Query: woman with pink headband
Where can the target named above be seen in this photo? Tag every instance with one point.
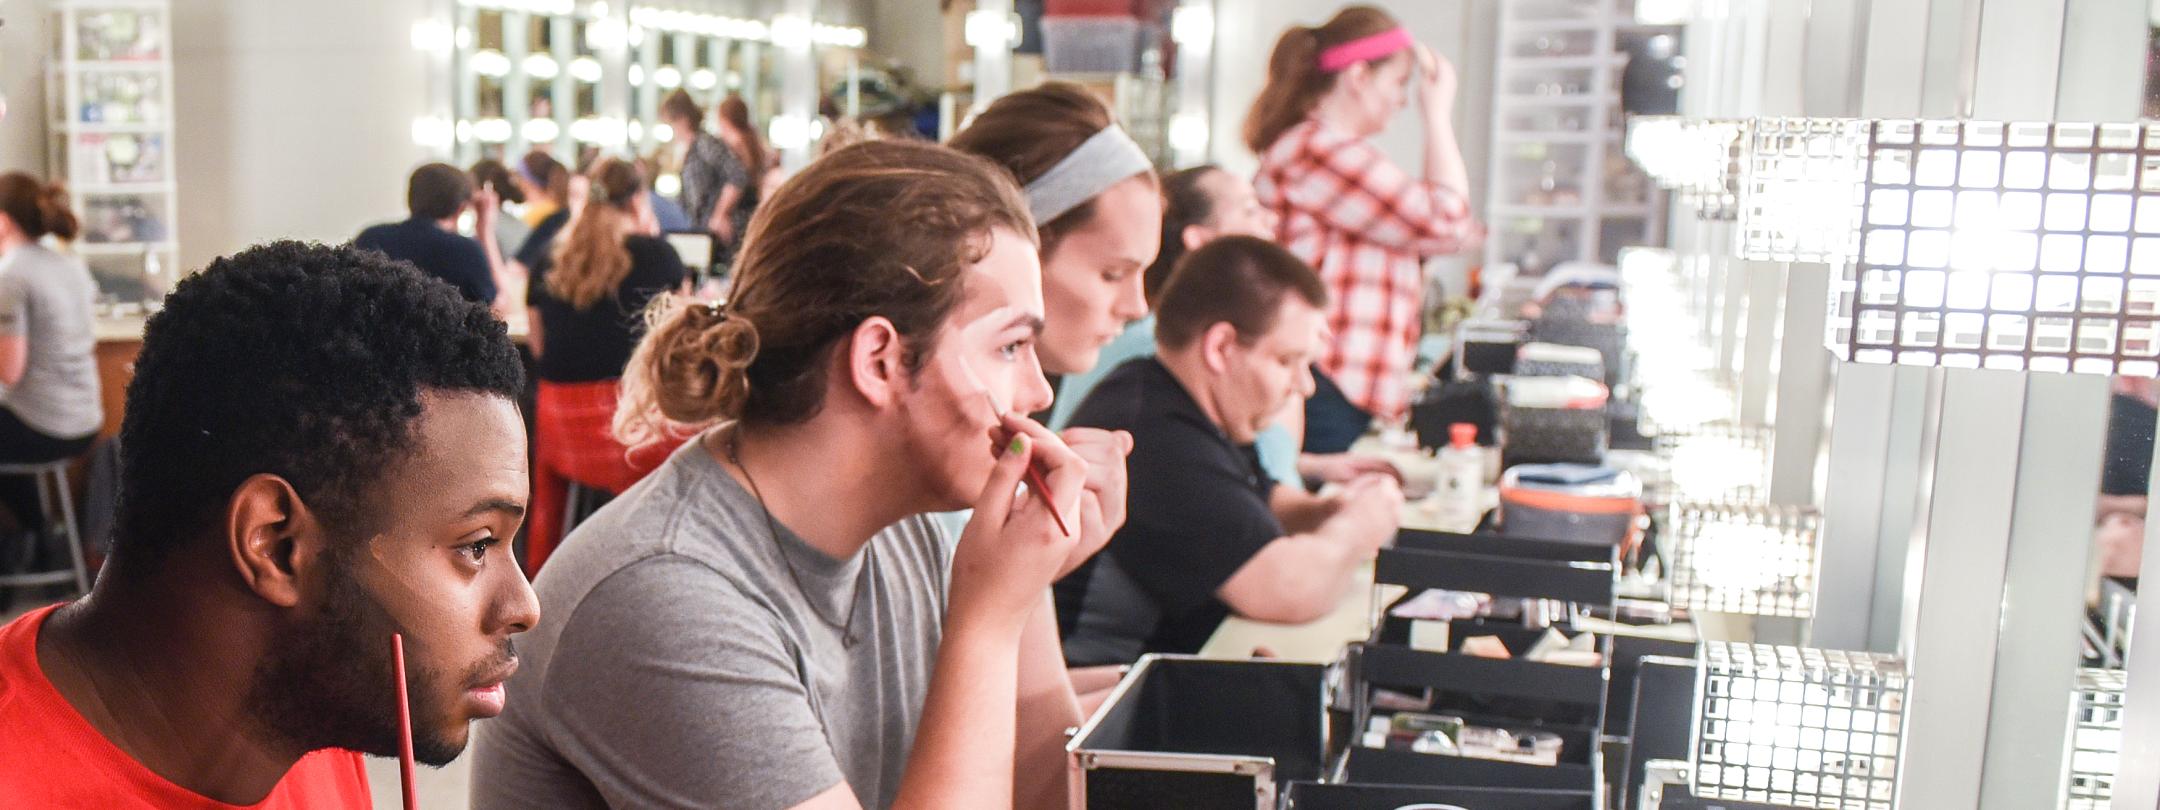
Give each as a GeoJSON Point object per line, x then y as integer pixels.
{"type": "Point", "coordinates": [1345, 209]}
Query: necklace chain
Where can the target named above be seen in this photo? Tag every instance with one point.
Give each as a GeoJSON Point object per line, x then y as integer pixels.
{"type": "Point", "coordinates": [772, 529]}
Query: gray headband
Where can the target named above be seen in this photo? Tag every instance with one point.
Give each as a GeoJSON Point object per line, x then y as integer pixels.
{"type": "Point", "coordinates": [1103, 160]}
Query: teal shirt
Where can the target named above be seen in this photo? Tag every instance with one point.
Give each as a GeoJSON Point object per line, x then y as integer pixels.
{"type": "Point", "coordinates": [1278, 451]}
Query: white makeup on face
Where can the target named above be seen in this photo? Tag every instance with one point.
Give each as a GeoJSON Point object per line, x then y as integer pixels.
{"type": "Point", "coordinates": [1092, 279]}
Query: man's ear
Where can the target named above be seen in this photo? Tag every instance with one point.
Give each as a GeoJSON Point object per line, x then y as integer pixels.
{"type": "Point", "coordinates": [1215, 346]}
{"type": "Point", "coordinates": [273, 538]}
{"type": "Point", "coordinates": [1193, 236]}
{"type": "Point", "coordinates": [875, 358]}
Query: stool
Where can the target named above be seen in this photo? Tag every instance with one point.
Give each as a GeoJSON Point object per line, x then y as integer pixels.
{"type": "Point", "coordinates": [52, 477]}
{"type": "Point", "coordinates": [573, 503]}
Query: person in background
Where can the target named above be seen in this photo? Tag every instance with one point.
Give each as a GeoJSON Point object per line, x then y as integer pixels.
{"type": "Point", "coordinates": [1208, 533]}
{"type": "Point", "coordinates": [547, 210]}
{"type": "Point", "coordinates": [714, 180]}
{"type": "Point", "coordinates": [585, 311]}
{"type": "Point", "coordinates": [1365, 224]}
{"type": "Point", "coordinates": [843, 133]}
{"type": "Point", "coordinates": [763, 166]}
{"type": "Point", "coordinates": [322, 449]}
{"type": "Point", "coordinates": [666, 213]}
{"type": "Point", "coordinates": [2126, 476]}
{"type": "Point", "coordinates": [1199, 205]}
{"type": "Point", "coordinates": [1094, 198]}
{"type": "Point", "coordinates": [545, 182]}
{"type": "Point", "coordinates": [510, 232]}
{"type": "Point", "coordinates": [49, 402]}
{"type": "Point", "coordinates": [437, 194]}
{"type": "Point", "coordinates": [768, 620]}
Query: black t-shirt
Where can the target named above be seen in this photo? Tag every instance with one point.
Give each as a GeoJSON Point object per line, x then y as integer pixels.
{"type": "Point", "coordinates": [594, 344]}
{"type": "Point", "coordinates": [1197, 511]}
{"type": "Point", "coordinates": [437, 252]}
{"type": "Point", "coordinates": [538, 251]}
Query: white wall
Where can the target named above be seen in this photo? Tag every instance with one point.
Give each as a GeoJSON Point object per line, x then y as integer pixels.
{"type": "Point", "coordinates": [22, 82]}
{"type": "Point", "coordinates": [912, 33]}
{"type": "Point", "coordinates": [294, 118]}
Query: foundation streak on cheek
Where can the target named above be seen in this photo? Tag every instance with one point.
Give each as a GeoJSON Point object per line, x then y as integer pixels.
{"type": "Point", "coordinates": [405, 598]}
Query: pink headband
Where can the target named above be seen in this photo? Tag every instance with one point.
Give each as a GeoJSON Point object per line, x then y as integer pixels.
{"type": "Point", "coordinates": [1364, 49]}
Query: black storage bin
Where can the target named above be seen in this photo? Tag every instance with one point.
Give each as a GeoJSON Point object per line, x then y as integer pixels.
{"type": "Point", "coordinates": [1202, 734]}
{"type": "Point", "coordinates": [1679, 798]}
{"type": "Point", "coordinates": [1525, 567]}
{"type": "Point", "coordinates": [1609, 339]}
{"type": "Point", "coordinates": [1445, 404]}
{"type": "Point", "coordinates": [1628, 653]}
{"type": "Point", "coordinates": [1515, 694]}
{"type": "Point", "coordinates": [1661, 721]}
{"type": "Point", "coordinates": [1386, 766]}
{"type": "Point", "coordinates": [1316, 796]}
{"type": "Point", "coordinates": [1553, 435]}
{"type": "Point", "coordinates": [1489, 347]}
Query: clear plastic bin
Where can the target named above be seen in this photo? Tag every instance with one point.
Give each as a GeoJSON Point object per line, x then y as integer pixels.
{"type": "Point", "coordinates": [1092, 44]}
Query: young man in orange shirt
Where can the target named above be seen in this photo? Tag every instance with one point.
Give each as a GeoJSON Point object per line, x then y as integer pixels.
{"type": "Point", "coordinates": [322, 448]}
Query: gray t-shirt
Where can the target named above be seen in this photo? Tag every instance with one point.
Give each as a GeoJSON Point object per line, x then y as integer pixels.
{"type": "Point", "coordinates": [678, 664]}
{"type": "Point", "coordinates": [48, 299]}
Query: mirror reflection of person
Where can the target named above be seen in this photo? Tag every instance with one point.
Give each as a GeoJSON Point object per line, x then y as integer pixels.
{"type": "Point", "coordinates": [437, 194]}
{"type": "Point", "coordinates": [715, 183]}
{"type": "Point", "coordinates": [49, 403]}
{"type": "Point", "coordinates": [323, 449]}
{"type": "Point", "coordinates": [2125, 476]}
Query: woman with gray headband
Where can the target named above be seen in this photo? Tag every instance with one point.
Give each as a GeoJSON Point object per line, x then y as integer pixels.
{"type": "Point", "coordinates": [1092, 193]}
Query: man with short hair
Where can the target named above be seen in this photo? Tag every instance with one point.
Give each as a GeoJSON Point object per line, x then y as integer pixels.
{"type": "Point", "coordinates": [322, 449]}
{"type": "Point", "coordinates": [437, 194]}
{"type": "Point", "coordinates": [1207, 532]}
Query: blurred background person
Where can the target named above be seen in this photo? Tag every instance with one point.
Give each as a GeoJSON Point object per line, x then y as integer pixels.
{"type": "Point", "coordinates": [585, 309]}
{"type": "Point", "coordinates": [714, 179]}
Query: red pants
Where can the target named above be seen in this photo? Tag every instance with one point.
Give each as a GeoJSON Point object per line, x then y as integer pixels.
{"type": "Point", "coordinates": [572, 443]}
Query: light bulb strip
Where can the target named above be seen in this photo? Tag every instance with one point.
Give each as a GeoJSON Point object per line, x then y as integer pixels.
{"type": "Point", "coordinates": [1798, 727]}
{"type": "Point", "coordinates": [1711, 461]}
{"type": "Point", "coordinates": [783, 31]}
{"type": "Point", "coordinates": [2006, 245]}
{"type": "Point", "coordinates": [2095, 739]}
{"type": "Point", "coordinates": [1800, 201]}
{"type": "Point", "coordinates": [1751, 559]}
{"type": "Point", "coordinates": [1699, 159]}
{"type": "Point", "coordinates": [553, 8]}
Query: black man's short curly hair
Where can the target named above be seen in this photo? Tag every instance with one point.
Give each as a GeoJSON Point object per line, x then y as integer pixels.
{"type": "Point", "coordinates": [297, 360]}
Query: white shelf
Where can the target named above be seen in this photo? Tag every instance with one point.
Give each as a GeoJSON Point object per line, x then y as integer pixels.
{"type": "Point", "coordinates": [86, 128]}
{"type": "Point", "coordinates": [1526, 130]}
{"type": "Point", "coordinates": [1554, 25]}
{"type": "Point", "coordinates": [115, 66]}
{"type": "Point", "coordinates": [1540, 211]}
{"type": "Point", "coordinates": [1570, 100]}
{"type": "Point", "coordinates": [121, 248]}
{"type": "Point", "coordinates": [121, 189]}
{"type": "Point", "coordinates": [66, 84]}
{"type": "Point", "coordinates": [1524, 136]}
{"type": "Point", "coordinates": [1578, 62]}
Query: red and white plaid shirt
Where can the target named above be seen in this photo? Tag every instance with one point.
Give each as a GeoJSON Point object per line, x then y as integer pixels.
{"type": "Point", "coordinates": [1367, 227]}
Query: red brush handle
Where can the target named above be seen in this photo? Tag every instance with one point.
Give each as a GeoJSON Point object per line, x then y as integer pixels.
{"type": "Point", "coordinates": [404, 719]}
{"type": "Point", "coordinates": [1035, 482]}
